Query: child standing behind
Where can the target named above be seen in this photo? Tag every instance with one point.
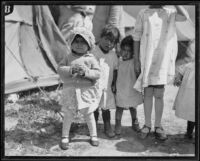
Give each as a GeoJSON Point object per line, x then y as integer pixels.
{"type": "Point", "coordinates": [126, 96]}
{"type": "Point", "coordinates": [184, 104]}
{"type": "Point", "coordinates": [109, 38]}
{"type": "Point", "coordinates": [185, 100]}
{"type": "Point", "coordinates": [80, 72]}
{"type": "Point", "coordinates": [155, 51]}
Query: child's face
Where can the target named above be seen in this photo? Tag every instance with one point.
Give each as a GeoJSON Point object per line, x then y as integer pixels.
{"type": "Point", "coordinates": [106, 43]}
{"type": "Point", "coordinates": [79, 45]}
{"type": "Point", "coordinates": [126, 52]}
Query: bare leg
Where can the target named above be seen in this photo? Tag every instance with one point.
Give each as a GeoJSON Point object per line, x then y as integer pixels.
{"type": "Point", "coordinates": [148, 103]}
{"type": "Point", "coordinates": [159, 105]}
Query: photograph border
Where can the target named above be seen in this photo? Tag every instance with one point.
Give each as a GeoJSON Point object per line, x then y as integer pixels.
{"type": "Point", "coordinates": [197, 81]}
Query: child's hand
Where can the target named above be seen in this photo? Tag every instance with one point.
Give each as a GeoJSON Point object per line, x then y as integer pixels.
{"type": "Point", "coordinates": [178, 79]}
{"type": "Point", "coordinates": [137, 67]}
{"type": "Point", "coordinates": [78, 70]}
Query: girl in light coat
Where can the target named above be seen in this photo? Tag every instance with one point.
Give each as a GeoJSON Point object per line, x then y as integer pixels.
{"type": "Point", "coordinates": [184, 104]}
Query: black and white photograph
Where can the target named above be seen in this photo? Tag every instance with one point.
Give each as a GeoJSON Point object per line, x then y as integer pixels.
{"type": "Point", "coordinates": [99, 80]}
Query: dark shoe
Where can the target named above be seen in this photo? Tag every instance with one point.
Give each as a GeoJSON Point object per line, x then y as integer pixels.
{"type": "Point", "coordinates": [144, 132]}
{"type": "Point", "coordinates": [64, 145]}
{"type": "Point", "coordinates": [135, 125]}
{"type": "Point", "coordinates": [118, 127]}
{"type": "Point", "coordinates": [160, 134]}
{"type": "Point", "coordinates": [94, 141]}
{"type": "Point", "coordinates": [108, 130]}
{"type": "Point", "coordinates": [107, 126]}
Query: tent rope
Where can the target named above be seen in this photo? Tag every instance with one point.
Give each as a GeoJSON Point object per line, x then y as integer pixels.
{"type": "Point", "coordinates": [34, 79]}
{"type": "Point", "coordinates": [14, 56]}
{"type": "Point", "coordinates": [44, 93]}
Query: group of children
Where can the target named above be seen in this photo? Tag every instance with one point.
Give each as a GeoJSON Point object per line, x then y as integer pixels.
{"type": "Point", "coordinates": [96, 78]}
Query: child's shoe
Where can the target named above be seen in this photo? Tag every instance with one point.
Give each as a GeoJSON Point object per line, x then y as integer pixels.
{"type": "Point", "coordinates": [135, 125]}
{"type": "Point", "coordinates": [160, 134]}
{"type": "Point", "coordinates": [64, 144]}
{"type": "Point", "coordinates": [94, 141]}
{"type": "Point", "coordinates": [108, 129]}
{"type": "Point", "coordinates": [144, 132]}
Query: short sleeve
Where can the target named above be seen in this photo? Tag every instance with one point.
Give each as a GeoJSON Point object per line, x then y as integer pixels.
{"type": "Point", "coordinates": [138, 30]}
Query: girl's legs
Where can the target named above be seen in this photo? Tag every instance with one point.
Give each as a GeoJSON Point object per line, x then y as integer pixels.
{"type": "Point", "coordinates": [118, 118]}
{"type": "Point", "coordinates": [190, 128]}
{"type": "Point", "coordinates": [68, 118]}
{"type": "Point", "coordinates": [159, 105]}
{"type": "Point", "coordinates": [148, 103]}
{"type": "Point", "coordinates": [107, 126]}
{"type": "Point", "coordinates": [135, 123]}
{"type": "Point", "coordinates": [90, 120]}
{"type": "Point", "coordinates": [96, 115]}
{"type": "Point", "coordinates": [91, 124]}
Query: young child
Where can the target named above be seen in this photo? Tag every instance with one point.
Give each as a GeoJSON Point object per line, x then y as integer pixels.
{"type": "Point", "coordinates": [80, 72]}
{"type": "Point", "coordinates": [155, 51]}
{"type": "Point", "coordinates": [184, 104]}
{"type": "Point", "coordinates": [126, 96]}
{"type": "Point", "coordinates": [109, 38]}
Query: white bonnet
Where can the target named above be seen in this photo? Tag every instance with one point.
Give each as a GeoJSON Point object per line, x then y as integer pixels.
{"type": "Point", "coordinates": [85, 33]}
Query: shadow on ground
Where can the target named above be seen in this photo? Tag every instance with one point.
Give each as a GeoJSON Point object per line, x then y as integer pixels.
{"type": "Point", "coordinates": [174, 144]}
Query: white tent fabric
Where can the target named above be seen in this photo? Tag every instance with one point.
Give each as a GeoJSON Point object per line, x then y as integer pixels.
{"type": "Point", "coordinates": [128, 20]}
{"type": "Point", "coordinates": [26, 65]}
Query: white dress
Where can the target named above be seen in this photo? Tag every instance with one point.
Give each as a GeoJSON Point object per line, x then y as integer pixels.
{"type": "Point", "coordinates": [156, 31]}
{"type": "Point", "coordinates": [110, 63]}
{"type": "Point", "coordinates": [184, 104]}
{"type": "Point", "coordinates": [126, 96]}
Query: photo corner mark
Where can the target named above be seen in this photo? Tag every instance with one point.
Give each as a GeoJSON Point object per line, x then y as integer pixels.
{"type": "Point", "coordinates": [8, 9]}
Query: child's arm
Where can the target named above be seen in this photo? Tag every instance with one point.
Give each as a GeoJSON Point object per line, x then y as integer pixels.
{"type": "Point", "coordinates": [113, 85]}
{"type": "Point", "coordinates": [180, 70]}
{"type": "Point", "coordinates": [138, 31]}
{"type": "Point", "coordinates": [63, 70]}
{"type": "Point", "coordinates": [137, 64]}
{"type": "Point", "coordinates": [182, 14]}
{"type": "Point", "coordinates": [95, 71]}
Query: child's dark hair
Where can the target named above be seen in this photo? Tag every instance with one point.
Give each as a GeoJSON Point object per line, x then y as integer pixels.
{"type": "Point", "coordinates": [112, 32]}
{"type": "Point", "coordinates": [127, 41]}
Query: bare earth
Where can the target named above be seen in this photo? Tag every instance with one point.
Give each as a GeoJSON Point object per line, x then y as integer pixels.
{"type": "Point", "coordinates": [25, 120]}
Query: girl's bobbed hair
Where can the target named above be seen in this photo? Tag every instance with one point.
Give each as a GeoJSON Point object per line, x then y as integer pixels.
{"type": "Point", "coordinates": [112, 32]}
{"type": "Point", "coordinates": [127, 41]}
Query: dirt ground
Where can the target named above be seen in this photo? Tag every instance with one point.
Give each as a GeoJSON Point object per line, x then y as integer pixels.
{"type": "Point", "coordinates": [33, 129]}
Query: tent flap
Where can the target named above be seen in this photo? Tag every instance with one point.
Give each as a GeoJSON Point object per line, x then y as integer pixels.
{"type": "Point", "coordinates": [27, 55]}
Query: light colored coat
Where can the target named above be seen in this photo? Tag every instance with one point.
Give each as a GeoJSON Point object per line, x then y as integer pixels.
{"type": "Point", "coordinates": [80, 93]}
{"type": "Point", "coordinates": [184, 104]}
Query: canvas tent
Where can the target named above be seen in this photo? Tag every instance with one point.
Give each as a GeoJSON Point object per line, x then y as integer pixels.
{"type": "Point", "coordinates": [33, 48]}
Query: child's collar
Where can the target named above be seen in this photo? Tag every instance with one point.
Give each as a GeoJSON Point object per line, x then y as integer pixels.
{"type": "Point", "coordinates": [77, 54]}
